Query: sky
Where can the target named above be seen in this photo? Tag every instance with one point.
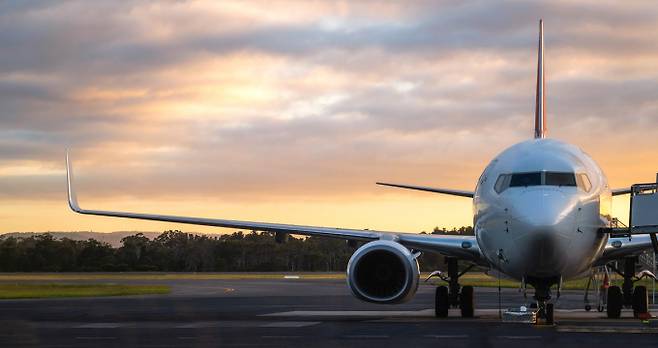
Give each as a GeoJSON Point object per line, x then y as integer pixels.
{"type": "Point", "coordinates": [290, 111]}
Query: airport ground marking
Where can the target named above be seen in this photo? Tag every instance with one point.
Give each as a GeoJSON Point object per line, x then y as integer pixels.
{"type": "Point", "coordinates": [291, 324]}
{"type": "Point", "coordinates": [366, 336]}
{"type": "Point", "coordinates": [519, 337]}
{"type": "Point", "coordinates": [96, 338]}
{"type": "Point", "coordinates": [446, 336]}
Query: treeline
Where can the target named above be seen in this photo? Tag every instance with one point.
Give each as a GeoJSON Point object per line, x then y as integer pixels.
{"type": "Point", "coordinates": [176, 251]}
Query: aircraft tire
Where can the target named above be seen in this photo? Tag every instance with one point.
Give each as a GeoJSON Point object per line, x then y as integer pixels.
{"type": "Point", "coordinates": [640, 300]}
{"type": "Point", "coordinates": [441, 302]}
{"type": "Point", "coordinates": [615, 302]}
{"type": "Point", "coordinates": [467, 302]}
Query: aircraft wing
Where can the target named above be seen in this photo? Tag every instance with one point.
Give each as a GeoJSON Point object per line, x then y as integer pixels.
{"type": "Point", "coordinates": [463, 247]}
{"type": "Point", "coordinates": [452, 192]}
{"type": "Point", "coordinates": [621, 247]}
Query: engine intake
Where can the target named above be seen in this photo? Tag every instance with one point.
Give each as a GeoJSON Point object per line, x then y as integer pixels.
{"type": "Point", "coordinates": [383, 272]}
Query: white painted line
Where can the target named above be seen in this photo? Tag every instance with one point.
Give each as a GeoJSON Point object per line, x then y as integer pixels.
{"type": "Point", "coordinates": [366, 336]}
{"type": "Point", "coordinates": [291, 324]}
{"type": "Point", "coordinates": [420, 313]}
{"type": "Point", "coordinates": [197, 325]}
{"type": "Point", "coordinates": [605, 329]}
{"type": "Point", "coordinates": [291, 277]}
{"type": "Point", "coordinates": [446, 336]}
{"type": "Point", "coordinates": [218, 324]}
{"type": "Point", "coordinates": [99, 326]}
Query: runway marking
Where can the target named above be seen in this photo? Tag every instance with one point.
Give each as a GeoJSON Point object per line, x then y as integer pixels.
{"type": "Point", "coordinates": [446, 336]}
{"type": "Point", "coordinates": [217, 324]}
{"type": "Point", "coordinates": [424, 312]}
{"type": "Point", "coordinates": [366, 336]}
{"type": "Point", "coordinates": [606, 329]}
{"type": "Point", "coordinates": [99, 326]}
{"type": "Point", "coordinates": [291, 324]}
{"type": "Point", "coordinates": [519, 337]}
{"type": "Point", "coordinates": [291, 277]}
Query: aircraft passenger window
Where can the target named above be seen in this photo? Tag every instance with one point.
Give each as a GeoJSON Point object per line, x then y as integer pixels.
{"type": "Point", "coordinates": [525, 179]}
{"type": "Point", "coordinates": [583, 182]}
{"type": "Point", "coordinates": [560, 179]}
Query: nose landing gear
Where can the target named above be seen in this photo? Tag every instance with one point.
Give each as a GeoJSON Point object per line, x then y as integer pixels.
{"type": "Point", "coordinates": [545, 309]}
{"type": "Point", "coordinates": [453, 295]}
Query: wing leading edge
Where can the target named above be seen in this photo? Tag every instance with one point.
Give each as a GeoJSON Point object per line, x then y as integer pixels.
{"type": "Point", "coordinates": [452, 192]}
{"type": "Point", "coordinates": [463, 247]}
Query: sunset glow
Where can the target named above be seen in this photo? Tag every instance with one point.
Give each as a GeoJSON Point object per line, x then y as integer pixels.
{"type": "Point", "coordinates": [290, 112]}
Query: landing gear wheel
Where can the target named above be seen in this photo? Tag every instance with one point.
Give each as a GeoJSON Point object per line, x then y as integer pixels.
{"type": "Point", "coordinates": [640, 300]}
{"type": "Point", "coordinates": [549, 314]}
{"type": "Point", "coordinates": [466, 302]}
{"type": "Point", "coordinates": [441, 302]}
{"type": "Point", "coordinates": [588, 308]}
{"type": "Point", "coordinates": [615, 302]}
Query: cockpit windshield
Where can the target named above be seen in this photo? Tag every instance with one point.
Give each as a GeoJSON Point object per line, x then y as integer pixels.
{"type": "Point", "coordinates": [559, 179]}
{"type": "Point", "coordinates": [525, 179]}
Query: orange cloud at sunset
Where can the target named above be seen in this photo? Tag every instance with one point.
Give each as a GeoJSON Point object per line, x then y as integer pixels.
{"type": "Point", "coordinates": [289, 112]}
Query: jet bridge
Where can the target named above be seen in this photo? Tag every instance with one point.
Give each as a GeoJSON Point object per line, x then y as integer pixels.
{"type": "Point", "coordinates": [643, 216]}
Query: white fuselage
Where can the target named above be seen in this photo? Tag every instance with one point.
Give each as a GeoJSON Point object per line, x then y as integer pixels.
{"type": "Point", "coordinates": [541, 230]}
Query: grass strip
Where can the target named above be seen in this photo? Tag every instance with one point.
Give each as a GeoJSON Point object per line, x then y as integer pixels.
{"type": "Point", "coordinates": [33, 290]}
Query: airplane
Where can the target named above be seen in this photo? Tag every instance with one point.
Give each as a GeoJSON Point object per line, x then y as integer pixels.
{"type": "Point", "coordinates": [541, 216]}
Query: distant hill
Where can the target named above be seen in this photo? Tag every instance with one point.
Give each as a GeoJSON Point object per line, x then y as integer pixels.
{"type": "Point", "coordinates": [112, 238]}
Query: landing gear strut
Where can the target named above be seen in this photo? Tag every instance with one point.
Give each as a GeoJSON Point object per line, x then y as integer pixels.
{"type": "Point", "coordinates": [451, 296]}
{"type": "Point", "coordinates": [543, 295]}
{"type": "Point", "coordinates": [627, 296]}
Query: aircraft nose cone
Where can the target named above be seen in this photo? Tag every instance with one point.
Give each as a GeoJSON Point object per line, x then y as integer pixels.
{"type": "Point", "coordinates": [545, 219]}
{"type": "Point", "coordinates": [544, 211]}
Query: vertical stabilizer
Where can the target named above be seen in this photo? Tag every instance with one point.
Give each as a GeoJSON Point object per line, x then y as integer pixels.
{"type": "Point", "coordinates": [540, 102]}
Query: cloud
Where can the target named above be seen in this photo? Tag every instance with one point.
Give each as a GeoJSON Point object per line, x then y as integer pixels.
{"type": "Point", "coordinates": [254, 101]}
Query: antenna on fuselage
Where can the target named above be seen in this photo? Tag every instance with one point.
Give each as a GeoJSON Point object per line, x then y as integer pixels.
{"type": "Point", "coordinates": [540, 102]}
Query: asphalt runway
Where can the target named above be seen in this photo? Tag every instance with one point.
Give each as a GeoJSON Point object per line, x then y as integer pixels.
{"type": "Point", "coordinates": [298, 312]}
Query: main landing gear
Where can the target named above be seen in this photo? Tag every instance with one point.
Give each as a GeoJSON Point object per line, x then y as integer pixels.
{"type": "Point", "coordinates": [542, 287]}
{"type": "Point", "coordinates": [453, 295]}
{"type": "Point", "coordinates": [627, 296]}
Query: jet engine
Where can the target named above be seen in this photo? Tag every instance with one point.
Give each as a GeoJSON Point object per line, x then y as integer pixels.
{"type": "Point", "coordinates": [383, 271]}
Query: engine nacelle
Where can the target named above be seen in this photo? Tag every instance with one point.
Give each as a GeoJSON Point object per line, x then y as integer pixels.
{"type": "Point", "coordinates": [383, 271]}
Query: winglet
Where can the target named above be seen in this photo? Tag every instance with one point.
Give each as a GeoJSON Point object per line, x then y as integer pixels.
{"type": "Point", "coordinates": [73, 199]}
{"type": "Point", "coordinates": [540, 102]}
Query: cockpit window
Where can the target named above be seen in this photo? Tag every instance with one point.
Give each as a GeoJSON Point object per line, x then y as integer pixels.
{"type": "Point", "coordinates": [583, 182]}
{"type": "Point", "coordinates": [525, 179]}
{"type": "Point", "coordinates": [560, 179]}
{"type": "Point", "coordinates": [502, 183]}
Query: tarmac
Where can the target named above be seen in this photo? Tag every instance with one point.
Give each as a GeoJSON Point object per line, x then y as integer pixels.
{"type": "Point", "coordinates": [300, 312]}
